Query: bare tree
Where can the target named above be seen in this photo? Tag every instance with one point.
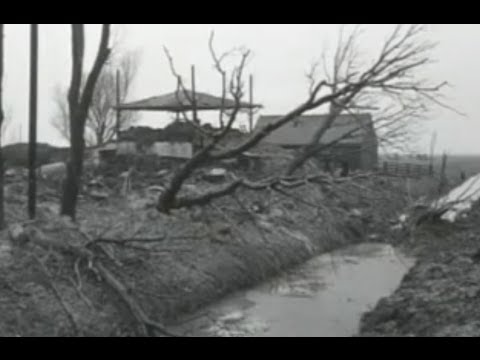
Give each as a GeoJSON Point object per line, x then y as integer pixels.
{"type": "Point", "coordinates": [390, 85]}
{"type": "Point", "coordinates": [102, 118]}
{"type": "Point", "coordinates": [2, 212]}
{"type": "Point", "coordinates": [61, 119]}
{"type": "Point", "coordinates": [168, 198]}
{"type": "Point", "coordinates": [352, 86]}
{"type": "Point", "coordinates": [79, 102]}
{"type": "Point", "coordinates": [101, 122]}
{"type": "Point", "coordinates": [5, 125]}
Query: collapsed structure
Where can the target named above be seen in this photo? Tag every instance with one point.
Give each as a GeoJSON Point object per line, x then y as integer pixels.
{"type": "Point", "coordinates": [180, 139]}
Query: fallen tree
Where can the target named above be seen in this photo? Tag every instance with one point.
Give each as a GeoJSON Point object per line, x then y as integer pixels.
{"type": "Point", "coordinates": [391, 75]}
{"type": "Point", "coordinates": [89, 254]}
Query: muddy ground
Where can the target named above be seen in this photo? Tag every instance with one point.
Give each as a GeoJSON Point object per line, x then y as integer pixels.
{"type": "Point", "coordinates": [440, 296]}
{"type": "Point", "coordinates": [171, 265]}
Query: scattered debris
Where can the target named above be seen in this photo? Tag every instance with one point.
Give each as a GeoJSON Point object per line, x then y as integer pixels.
{"type": "Point", "coordinates": [96, 182]}
{"type": "Point", "coordinates": [460, 199]}
{"type": "Point", "coordinates": [10, 172]}
{"type": "Point", "coordinates": [98, 195]}
{"type": "Point", "coordinates": [232, 317]}
{"type": "Point", "coordinates": [215, 175]}
{"type": "Point", "coordinates": [356, 213]}
{"type": "Point", "coordinates": [162, 173]}
{"type": "Point", "coordinates": [56, 170]}
{"type": "Point", "coordinates": [241, 328]}
{"type": "Point", "coordinates": [156, 189]}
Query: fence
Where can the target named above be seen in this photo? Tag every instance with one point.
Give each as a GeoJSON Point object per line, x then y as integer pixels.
{"type": "Point", "coordinates": [406, 169]}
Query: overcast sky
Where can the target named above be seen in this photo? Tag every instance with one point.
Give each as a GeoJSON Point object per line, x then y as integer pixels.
{"type": "Point", "coordinates": [281, 56]}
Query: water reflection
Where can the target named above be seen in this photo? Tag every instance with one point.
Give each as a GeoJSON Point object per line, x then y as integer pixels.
{"type": "Point", "coordinates": [324, 297]}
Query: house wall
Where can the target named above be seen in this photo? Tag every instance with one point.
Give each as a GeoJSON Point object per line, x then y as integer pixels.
{"type": "Point", "coordinates": [351, 154]}
{"type": "Point", "coordinates": [369, 152]}
{"type": "Point", "coordinates": [358, 157]}
{"type": "Point", "coordinates": [126, 148]}
{"type": "Point", "coordinates": [183, 150]}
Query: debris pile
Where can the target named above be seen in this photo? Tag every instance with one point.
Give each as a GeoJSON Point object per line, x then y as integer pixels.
{"type": "Point", "coordinates": [459, 200]}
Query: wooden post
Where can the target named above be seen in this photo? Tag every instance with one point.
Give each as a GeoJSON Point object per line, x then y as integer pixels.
{"type": "Point", "coordinates": [177, 113]}
{"type": "Point", "coordinates": [443, 176]}
{"type": "Point", "coordinates": [194, 108]}
{"type": "Point", "coordinates": [32, 144]}
{"type": "Point", "coordinates": [224, 94]}
{"type": "Point", "coordinates": [194, 100]}
{"type": "Point", "coordinates": [250, 110]}
{"type": "Point", "coordinates": [117, 124]}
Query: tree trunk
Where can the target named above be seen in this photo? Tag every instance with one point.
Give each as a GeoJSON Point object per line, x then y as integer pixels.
{"type": "Point", "coordinates": [72, 184]}
{"type": "Point", "coordinates": [100, 138]}
{"type": "Point", "coordinates": [79, 105]}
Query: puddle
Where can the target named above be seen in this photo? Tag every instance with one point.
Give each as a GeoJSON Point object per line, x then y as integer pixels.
{"type": "Point", "coordinates": [324, 297]}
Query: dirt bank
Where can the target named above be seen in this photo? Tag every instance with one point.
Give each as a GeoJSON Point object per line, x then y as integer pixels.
{"type": "Point", "coordinates": [172, 265]}
{"type": "Point", "coordinates": [440, 296]}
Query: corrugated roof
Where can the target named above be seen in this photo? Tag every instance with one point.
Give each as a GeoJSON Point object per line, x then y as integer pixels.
{"type": "Point", "coordinates": [179, 101]}
{"type": "Point", "coordinates": [301, 130]}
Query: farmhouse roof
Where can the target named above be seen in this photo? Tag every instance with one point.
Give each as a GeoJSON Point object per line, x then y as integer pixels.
{"type": "Point", "coordinates": [183, 101]}
{"type": "Point", "coordinates": [300, 130]}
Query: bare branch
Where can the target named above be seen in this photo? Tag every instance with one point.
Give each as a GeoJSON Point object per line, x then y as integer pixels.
{"type": "Point", "coordinates": [389, 87]}
{"type": "Point", "coordinates": [270, 183]}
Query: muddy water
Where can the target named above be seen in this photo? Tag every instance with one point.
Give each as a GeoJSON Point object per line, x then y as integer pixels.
{"type": "Point", "coordinates": [324, 297]}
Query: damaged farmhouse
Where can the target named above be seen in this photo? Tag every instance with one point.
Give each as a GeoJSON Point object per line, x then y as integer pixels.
{"type": "Point", "coordinates": [322, 206]}
{"type": "Point", "coordinates": [356, 143]}
{"type": "Point", "coordinates": [180, 139]}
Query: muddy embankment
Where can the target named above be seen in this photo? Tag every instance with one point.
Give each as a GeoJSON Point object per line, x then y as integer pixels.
{"type": "Point", "coordinates": [175, 264]}
{"type": "Point", "coordinates": [440, 296]}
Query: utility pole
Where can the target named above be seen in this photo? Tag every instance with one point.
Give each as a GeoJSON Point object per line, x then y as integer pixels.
{"type": "Point", "coordinates": [32, 144]}
{"type": "Point", "coordinates": [2, 208]}
{"type": "Point", "coordinates": [194, 96]}
{"type": "Point", "coordinates": [195, 119]}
